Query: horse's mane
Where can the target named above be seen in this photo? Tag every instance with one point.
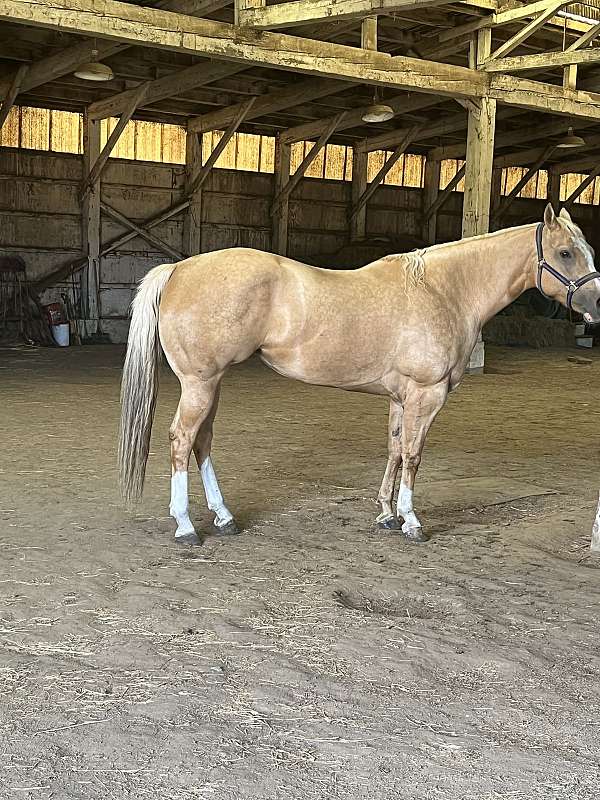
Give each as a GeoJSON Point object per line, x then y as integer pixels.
{"type": "Point", "coordinates": [413, 264]}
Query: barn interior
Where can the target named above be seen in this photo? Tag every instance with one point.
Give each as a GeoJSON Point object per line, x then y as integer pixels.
{"type": "Point", "coordinates": [310, 657]}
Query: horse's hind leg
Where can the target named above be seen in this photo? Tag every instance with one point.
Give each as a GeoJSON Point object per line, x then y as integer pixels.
{"type": "Point", "coordinates": [224, 522]}
{"type": "Point", "coordinates": [195, 404]}
{"type": "Point", "coordinates": [387, 519]}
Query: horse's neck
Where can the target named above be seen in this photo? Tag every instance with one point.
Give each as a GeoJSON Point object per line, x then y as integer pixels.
{"type": "Point", "coordinates": [490, 271]}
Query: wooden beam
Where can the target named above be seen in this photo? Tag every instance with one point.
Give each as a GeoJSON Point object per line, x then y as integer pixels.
{"type": "Point", "coordinates": [582, 186]}
{"type": "Point", "coordinates": [278, 100]}
{"type": "Point", "coordinates": [368, 33]}
{"type": "Point", "coordinates": [169, 86]}
{"type": "Point", "coordinates": [431, 190]}
{"type": "Point", "coordinates": [299, 12]}
{"type": "Point", "coordinates": [524, 180]}
{"type": "Point", "coordinates": [90, 221]}
{"type": "Point", "coordinates": [279, 237]}
{"type": "Point", "coordinates": [12, 93]}
{"type": "Point", "coordinates": [480, 154]}
{"type": "Point", "coordinates": [518, 38]}
{"type": "Point", "coordinates": [387, 166]}
{"type": "Point", "coordinates": [240, 7]}
{"type": "Point", "coordinates": [242, 112]}
{"type": "Point", "coordinates": [285, 191]}
{"type": "Point", "coordinates": [524, 11]}
{"type": "Point", "coordinates": [358, 221]}
{"type": "Point", "coordinates": [401, 104]}
{"type": "Point", "coordinates": [585, 38]}
{"type": "Point", "coordinates": [192, 226]}
{"type": "Point", "coordinates": [100, 163]}
{"type": "Point", "coordinates": [444, 194]}
{"type": "Point", "coordinates": [141, 231]}
{"type": "Point", "coordinates": [589, 55]}
{"type": "Point", "coordinates": [553, 188]}
{"type": "Point", "coordinates": [133, 24]}
{"type": "Point", "coordinates": [385, 141]}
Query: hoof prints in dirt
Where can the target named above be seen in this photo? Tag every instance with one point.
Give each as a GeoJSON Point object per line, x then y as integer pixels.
{"type": "Point", "coordinates": [387, 605]}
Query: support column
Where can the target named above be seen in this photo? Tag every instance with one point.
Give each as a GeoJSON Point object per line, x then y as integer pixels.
{"type": "Point", "coordinates": [192, 225]}
{"type": "Point", "coordinates": [90, 274]}
{"type": "Point", "coordinates": [431, 190]}
{"type": "Point", "coordinates": [358, 221]}
{"type": "Point", "coordinates": [478, 174]}
{"type": "Point", "coordinates": [553, 191]}
{"type": "Point", "coordinates": [279, 237]}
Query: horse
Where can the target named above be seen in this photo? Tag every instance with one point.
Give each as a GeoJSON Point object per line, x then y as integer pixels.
{"type": "Point", "coordinates": [403, 326]}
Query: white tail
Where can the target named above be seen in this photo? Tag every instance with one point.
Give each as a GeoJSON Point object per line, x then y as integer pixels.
{"type": "Point", "coordinates": [139, 385]}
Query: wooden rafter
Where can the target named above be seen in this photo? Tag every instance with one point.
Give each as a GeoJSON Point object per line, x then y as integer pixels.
{"type": "Point", "coordinates": [588, 55]}
{"type": "Point", "coordinates": [444, 194]}
{"type": "Point", "coordinates": [133, 24]}
{"type": "Point", "coordinates": [518, 38]}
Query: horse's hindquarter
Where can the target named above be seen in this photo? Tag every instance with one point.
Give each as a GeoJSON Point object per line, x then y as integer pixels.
{"type": "Point", "coordinates": [215, 309]}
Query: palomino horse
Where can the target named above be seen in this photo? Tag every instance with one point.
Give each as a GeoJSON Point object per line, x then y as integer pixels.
{"type": "Point", "coordinates": [403, 326]}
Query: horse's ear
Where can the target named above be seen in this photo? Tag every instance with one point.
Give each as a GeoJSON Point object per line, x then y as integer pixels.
{"type": "Point", "coordinates": [549, 217]}
{"type": "Point", "coordinates": [564, 214]}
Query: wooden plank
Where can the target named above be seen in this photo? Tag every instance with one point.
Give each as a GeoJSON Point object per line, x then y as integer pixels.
{"type": "Point", "coordinates": [141, 231]}
{"type": "Point", "coordinates": [192, 226]}
{"type": "Point", "coordinates": [242, 6]}
{"type": "Point", "coordinates": [100, 163]}
{"type": "Point", "coordinates": [358, 222]}
{"type": "Point", "coordinates": [589, 55]}
{"type": "Point", "coordinates": [169, 86]}
{"type": "Point", "coordinates": [387, 166]}
{"type": "Point", "coordinates": [12, 93]}
{"type": "Point", "coordinates": [431, 190]}
{"type": "Point", "coordinates": [308, 159]}
{"type": "Point", "coordinates": [280, 217]}
{"type": "Point", "coordinates": [140, 25]}
{"type": "Point", "coordinates": [299, 12]}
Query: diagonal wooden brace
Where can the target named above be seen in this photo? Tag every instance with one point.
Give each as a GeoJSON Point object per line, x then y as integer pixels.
{"type": "Point", "coordinates": [140, 230]}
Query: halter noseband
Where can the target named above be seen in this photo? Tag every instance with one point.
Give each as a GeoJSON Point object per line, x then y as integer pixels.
{"type": "Point", "coordinates": [572, 286]}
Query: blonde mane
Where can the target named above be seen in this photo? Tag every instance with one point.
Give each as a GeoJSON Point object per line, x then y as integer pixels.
{"type": "Point", "coordinates": [414, 269]}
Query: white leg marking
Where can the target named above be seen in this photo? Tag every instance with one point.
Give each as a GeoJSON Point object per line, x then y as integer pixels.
{"type": "Point", "coordinates": [214, 498]}
{"type": "Point", "coordinates": [179, 508]}
{"type": "Point", "coordinates": [405, 508]}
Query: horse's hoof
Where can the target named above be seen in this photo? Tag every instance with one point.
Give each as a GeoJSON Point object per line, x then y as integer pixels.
{"type": "Point", "coordinates": [229, 529]}
{"type": "Point", "coordinates": [388, 524]}
{"type": "Point", "coordinates": [188, 538]}
{"type": "Point", "coordinates": [415, 535]}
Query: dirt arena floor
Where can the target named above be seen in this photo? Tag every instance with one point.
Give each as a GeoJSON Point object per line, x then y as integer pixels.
{"type": "Point", "coordinates": [310, 657]}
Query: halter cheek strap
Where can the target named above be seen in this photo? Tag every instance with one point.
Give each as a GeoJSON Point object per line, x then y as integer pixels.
{"type": "Point", "coordinates": [572, 286]}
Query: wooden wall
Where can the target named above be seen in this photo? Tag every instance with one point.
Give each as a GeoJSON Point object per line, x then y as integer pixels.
{"type": "Point", "coordinates": [40, 218]}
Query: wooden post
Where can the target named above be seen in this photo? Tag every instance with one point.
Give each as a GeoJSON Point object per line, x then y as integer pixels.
{"type": "Point", "coordinates": [431, 189]}
{"type": "Point", "coordinates": [241, 5]}
{"type": "Point", "coordinates": [90, 274]}
{"type": "Point", "coordinates": [279, 238]}
{"type": "Point", "coordinates": [358, 222]}
{"type": "Point", "coordinates": [478, 173]}
{"type": "Point", "coordinates": [368, 33]}
{"type": "Point", "coordinates": [553, 192]}
{"type": "Point", "coordinates": [192, 226]}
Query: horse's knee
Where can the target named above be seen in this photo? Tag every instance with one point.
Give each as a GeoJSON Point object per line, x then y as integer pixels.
{"type": "Point", "coordinates": [411, 460]}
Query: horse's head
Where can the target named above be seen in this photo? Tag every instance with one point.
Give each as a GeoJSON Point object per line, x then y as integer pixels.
{"type": "Point", "coordinates": [566, 269]}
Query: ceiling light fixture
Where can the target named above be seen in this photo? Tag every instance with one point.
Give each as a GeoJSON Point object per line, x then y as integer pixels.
{"type": "Point", "coordinates": [377, 112]}
{"type": "Point", "coordinates": [571, 140]}
{"type": "Point", "coordinates": [94, 70]}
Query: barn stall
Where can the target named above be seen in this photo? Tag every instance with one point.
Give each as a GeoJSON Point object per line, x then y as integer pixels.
{"type": "Point", "coordinates": [312, 656]}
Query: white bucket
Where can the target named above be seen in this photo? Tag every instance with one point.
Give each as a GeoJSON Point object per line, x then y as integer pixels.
{"type": "Point", "coordinates": [61, 334]}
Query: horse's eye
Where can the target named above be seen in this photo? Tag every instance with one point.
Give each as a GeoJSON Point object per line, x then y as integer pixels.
{"type": "Point", "coordinates": [565, 254]}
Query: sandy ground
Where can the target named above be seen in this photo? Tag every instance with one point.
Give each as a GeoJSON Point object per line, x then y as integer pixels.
{"type": "Point", "coordinates": [310, 657]}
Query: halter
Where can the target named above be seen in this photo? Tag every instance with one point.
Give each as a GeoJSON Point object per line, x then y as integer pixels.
{"type": "Point", "coordinates": [572, 286]}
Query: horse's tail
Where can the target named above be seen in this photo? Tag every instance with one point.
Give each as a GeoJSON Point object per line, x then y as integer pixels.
{"type": "Point", "coordinates": [139, 385]}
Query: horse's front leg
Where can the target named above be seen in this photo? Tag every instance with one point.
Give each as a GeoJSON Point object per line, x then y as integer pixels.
{"type": "Point", "coordinates": [387, 519]}
{"type": "Point", "coordinates": [421, 407]}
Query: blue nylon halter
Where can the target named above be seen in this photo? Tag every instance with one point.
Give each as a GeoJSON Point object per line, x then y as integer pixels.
{"type": "Point", "coordinates": [572, 286]}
